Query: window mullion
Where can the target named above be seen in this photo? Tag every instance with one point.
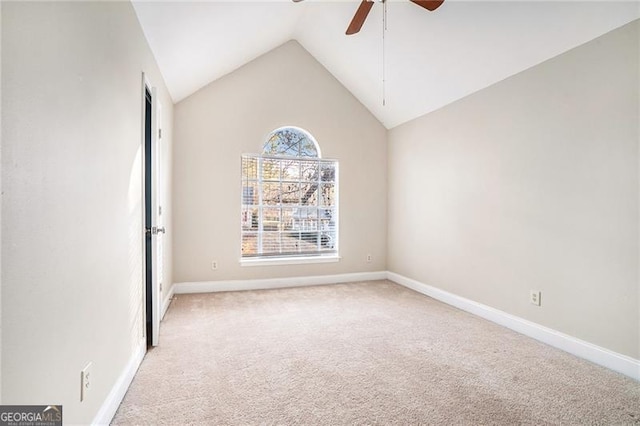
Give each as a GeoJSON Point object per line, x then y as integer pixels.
{"type": "Point", "coordinates": [299, 204]}
{"type": "Point", "coordinates": [318, 203]}
{"type": "Point", "coordinates": [280, 197]}
{"type": "Point", "coordinates": [260, 209]}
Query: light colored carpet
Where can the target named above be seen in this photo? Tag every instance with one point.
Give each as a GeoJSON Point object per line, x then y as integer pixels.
{"type": "Point", "coordinates": [362, 353]}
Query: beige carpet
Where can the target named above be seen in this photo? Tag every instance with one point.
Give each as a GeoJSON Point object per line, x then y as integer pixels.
{"type": "Point", "coordinates": [363, 353]}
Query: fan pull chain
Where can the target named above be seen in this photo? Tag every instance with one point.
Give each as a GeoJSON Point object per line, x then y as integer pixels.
{"type": "Point", "coordinates": [384, 30]}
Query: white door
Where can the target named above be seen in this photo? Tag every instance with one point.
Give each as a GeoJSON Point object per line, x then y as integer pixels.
{"type": "Point", "coordinates": [153, 223]}
{"type": "Point", "coordinates": [157, 224]}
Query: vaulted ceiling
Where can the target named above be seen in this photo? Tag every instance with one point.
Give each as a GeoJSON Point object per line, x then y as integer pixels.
{"type": "Point", "coordinates": [427, 59]}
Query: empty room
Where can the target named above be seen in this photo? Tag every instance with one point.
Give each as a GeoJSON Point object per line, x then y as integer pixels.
{"type": "Point", "coordinates": [320, 212]}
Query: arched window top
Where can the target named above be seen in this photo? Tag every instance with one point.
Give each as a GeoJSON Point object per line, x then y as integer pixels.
{"type": "Point", "coordinates": [291, 142]}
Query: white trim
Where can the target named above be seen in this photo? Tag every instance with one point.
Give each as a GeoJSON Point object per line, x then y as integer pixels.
{"type": "Point", "coordinates": [111, 404]}
{"type": "Point", "coordinates": [167, 302]}
{"type": "Point", "coordinates": [596, 354]}
{"type": "Point", "coordinates": [143, 220]}
{"type": "Point", "coordinates": [276, 261]}
{"type": "Point", "coordinates": [262, 284]}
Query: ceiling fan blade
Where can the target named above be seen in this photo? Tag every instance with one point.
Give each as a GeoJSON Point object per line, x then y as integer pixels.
{"type": "Point", "coordinates": [428, 4]}
{"type": "Point", "coordinates": [360, 16]}
{"type": "Point", "coordinates": [297, 1]}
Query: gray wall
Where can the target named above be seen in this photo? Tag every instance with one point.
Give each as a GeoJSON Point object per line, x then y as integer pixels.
{"type": "Point", "coordinates": [234, 115]}
{"type": "Point", "coordinates": [531, 184]}
{"type": "Point", "coordinates": [72, 198]}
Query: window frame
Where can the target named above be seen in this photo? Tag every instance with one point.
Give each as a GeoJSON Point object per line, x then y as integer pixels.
{"type": "Point", "coordinates": [317, 229]}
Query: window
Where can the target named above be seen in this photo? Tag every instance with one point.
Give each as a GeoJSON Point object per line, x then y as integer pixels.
{"type": "Point", "coordinates": [289, 199]}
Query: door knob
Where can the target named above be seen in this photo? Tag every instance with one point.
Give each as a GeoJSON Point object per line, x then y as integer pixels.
{"type": "Point", "coordinates": [154, 230]}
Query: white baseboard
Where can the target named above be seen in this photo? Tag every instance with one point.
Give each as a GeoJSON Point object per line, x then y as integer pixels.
{"type": "Point", "coordinates": [596, 354]}
{"type": "Point", "coordinates": [263, 284]}
{"type": "Point", "coordinates": [167, 302]}
{"type": "Point", "coordinates": [111, 404]}
{"type": "Point", "coordinates": [580, 348]}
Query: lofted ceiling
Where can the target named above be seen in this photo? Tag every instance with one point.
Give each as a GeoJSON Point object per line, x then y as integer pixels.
{"type": "Point", "coordinates": [430, 58]}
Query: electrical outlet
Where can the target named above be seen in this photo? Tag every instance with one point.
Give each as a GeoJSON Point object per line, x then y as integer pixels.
{"type": "Point", "coordinates": [86, 381]}
{"type": "Point", "coordinates": [369, 258]}
{"type": "Point", "coordinates": [214, 265]}
{"type": "Point", "coordinates": [534, 297]}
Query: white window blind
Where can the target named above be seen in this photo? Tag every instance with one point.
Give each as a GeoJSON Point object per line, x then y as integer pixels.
{"type": "Point", "coordinates": [289, 204]}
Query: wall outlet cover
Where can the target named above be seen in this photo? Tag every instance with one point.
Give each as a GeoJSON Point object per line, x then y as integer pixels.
{"type": "Point", "coordinates": [85, 381]}
{"type": "Point", "coordinates": [535, 297]}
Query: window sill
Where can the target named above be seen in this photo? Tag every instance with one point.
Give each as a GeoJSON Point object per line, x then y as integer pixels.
{"type": "Point", "coordinates": [289, 261]}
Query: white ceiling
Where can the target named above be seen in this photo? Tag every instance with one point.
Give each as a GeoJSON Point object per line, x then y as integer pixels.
{"type": "Point", "coordinates": [431, 58]}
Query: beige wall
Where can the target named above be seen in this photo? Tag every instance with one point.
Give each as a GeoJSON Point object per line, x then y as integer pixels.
{"type": "Point", "coordinates": [0, 206]}
{"type": "Point", "coordinates": [234, 115]}
{"type": "Point", "coordinates": [531, 184]}
{"type": "Point", "coordinates": [71, 207]}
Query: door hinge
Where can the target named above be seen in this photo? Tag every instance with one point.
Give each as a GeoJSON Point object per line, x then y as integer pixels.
{"type": "Point", "coordinates": [159, 210]}
{"type": "Point", "coordinates": [159, 133]}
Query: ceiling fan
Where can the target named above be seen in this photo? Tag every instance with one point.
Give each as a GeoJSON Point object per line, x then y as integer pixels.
{"type": "Point", "coordinates": [366, 5]}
